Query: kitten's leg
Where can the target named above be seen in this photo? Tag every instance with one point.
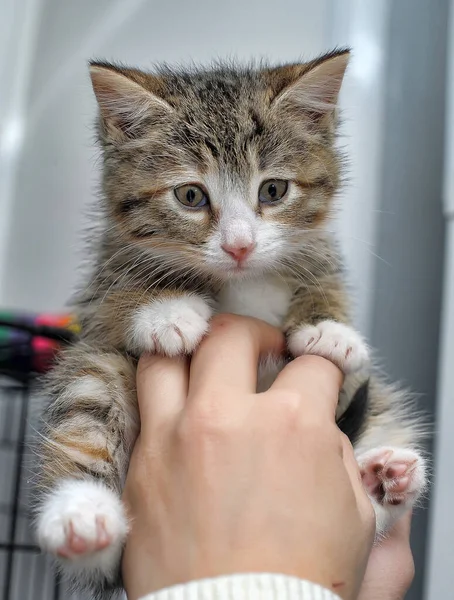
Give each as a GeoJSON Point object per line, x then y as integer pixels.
{"type": "Point", "coordinates": [91, 425]}
{"type": "Point", "coordinates": [165, 322]}
{"type": "Point", "coordinates": [317, 323]}
{"type": "Point", "coordinates": [170, 325]}
{"type": "Point", "coordinates": [394, 479]}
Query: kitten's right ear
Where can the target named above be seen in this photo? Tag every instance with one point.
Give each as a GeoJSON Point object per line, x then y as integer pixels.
{"type": "Point", "coordinates": [126, 99]}
{"type": "Point", "coordinates": [310, 87]}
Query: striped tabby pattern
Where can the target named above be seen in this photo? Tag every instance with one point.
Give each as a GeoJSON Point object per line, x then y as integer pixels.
{"type": "Point", "coordinates": [230, 138]}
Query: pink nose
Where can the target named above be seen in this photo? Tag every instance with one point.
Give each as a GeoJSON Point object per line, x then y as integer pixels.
{"type": "Point", "coordinates": [238, 253]}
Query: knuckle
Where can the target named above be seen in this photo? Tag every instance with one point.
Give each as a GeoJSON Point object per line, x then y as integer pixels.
{"type": "Point", "coordinates": [289, 406]}
{"type": "Point", "coordinates": [202, 420]}
{"type": "Point", "coordinates": [323, 434]}
{"type": "Point", "coordinates": [224, 320]}
{"type": "Point", "coordinates": [287, 409]}
{"type": "Point", "coordinates": [283, 411]}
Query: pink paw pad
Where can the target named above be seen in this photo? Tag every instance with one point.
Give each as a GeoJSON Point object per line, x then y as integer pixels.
{"type": "Point", "coordinates": [392, 476]}
{"type": "Point", "coordinates": [77, 544]}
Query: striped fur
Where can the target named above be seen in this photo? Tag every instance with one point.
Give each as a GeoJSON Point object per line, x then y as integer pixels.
{"type": "Point", "coordinates": [160, 272]}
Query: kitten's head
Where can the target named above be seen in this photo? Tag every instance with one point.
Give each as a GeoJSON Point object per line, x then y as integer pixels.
{"type": "Point", "coordinates": [225, 170]}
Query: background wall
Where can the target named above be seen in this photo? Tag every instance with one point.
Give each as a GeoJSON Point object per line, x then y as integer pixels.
{"type": "Point", "coordinates": [410, 232]}
{"type": "Point", "coordinates": [393, 98]}
{"type": "Point", "coordinates": [440, 578]}
{"type": "Point", "coordinates": [56, 173]}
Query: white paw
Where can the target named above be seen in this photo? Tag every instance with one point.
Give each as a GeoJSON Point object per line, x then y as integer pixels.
{"type": "Point", "coordinates": [336, 342]}
{"type": "Point", "coordinates": [83, 524]}
{"type": "Point", "coordinates": [394, 479]}
{"type": "Point", "coordinates": [172, 326]}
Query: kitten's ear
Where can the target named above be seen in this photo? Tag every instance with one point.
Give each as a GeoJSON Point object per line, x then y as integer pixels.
{"type": "Point", "coordinates": [126, 99]}
{"type": "Point", "coordinates": [313, 86]}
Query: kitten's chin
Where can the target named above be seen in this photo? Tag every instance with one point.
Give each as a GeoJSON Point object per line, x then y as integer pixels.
{"type": "Point", "coordinates": [229, 272]}
{"type": "Point", "coordinates": [243, 272]}
{"type": "Point", "coordinates": [247, 272]}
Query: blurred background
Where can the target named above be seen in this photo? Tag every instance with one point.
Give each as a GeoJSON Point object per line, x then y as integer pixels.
{"type": "Point", "coordinates": [393, 223]}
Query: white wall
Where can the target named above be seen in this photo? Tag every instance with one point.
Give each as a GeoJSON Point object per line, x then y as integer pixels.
{"type": "Point", "coordinates": [364, 27]}
{"type": "Point", "coordinates": [57, 171]}
{"type": "Point", "coordinates": [19, 25]}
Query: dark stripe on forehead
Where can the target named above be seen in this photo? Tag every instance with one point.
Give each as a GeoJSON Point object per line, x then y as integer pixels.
{"type": "Point", "coordinates": [212, 148]}
{"type": "Point", "coordinates": [258, 125]}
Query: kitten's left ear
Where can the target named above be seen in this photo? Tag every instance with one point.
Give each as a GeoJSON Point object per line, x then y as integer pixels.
{"type": "Point", "coordinates": [313, 86]}
{"type": "Point", "coordinates": [126, 98]}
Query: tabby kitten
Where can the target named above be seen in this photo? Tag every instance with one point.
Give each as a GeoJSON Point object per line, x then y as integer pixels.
{"type": "Point", "coordinates": [217, 190]}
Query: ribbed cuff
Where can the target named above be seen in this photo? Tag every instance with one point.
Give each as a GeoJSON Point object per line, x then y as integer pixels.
{"type": "Point", "coordinates": [263, 586]}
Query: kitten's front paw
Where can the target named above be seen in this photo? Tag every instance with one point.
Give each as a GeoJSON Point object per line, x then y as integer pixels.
{"type": "Point", "coordinates": [335, 341]}
{"type": "Point", "coordinates": [170, 326]}
{"type": "Point", "coordinates": [84, 525]}
{"type": "Point", "coordinates": [394, 478]}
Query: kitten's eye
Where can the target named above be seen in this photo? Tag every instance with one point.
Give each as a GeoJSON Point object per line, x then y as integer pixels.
{"type": "Point", "coordinates": [273, 190]}
{"type": "Point", "coordinates": [191, 195]}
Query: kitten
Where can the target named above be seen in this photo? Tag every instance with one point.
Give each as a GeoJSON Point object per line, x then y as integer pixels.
{"type": "Point", "coordinates": [218, 186]}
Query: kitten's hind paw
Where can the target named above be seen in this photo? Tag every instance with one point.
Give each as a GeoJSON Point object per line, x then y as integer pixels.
{"type": "Point", "coordinates": [170, 326]}
{"type": "Point", "coordinates": [394, 479]}
{"type": "Point", "coordinates": [83, 524]}
{"type": "Point", "coordinates": [336, 342]}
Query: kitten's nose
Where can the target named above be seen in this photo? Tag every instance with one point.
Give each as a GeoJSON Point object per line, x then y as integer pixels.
{"type": "Point", "coordinates": [238, 253]}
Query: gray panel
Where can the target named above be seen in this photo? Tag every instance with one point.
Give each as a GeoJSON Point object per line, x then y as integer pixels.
{"type": "Point", "coordinates": [406, 311]}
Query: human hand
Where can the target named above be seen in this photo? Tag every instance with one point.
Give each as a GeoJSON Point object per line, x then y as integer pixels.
{"type": "Point", "coordinates": [224, 480]}
{"type": "Point", "coordinates": [390, 569]}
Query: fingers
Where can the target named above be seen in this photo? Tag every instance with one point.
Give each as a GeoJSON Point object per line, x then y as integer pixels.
{"type": "Point", "coordinates": [352, 468]}
{"type": "Point", "coordinates": [319, 382]}
{"type": "Point", "coordinates": [162, 387]}
{"type": "Point", "coordinates": [363, 502]}
{"type": "Point", "coordinates": [229, 355]}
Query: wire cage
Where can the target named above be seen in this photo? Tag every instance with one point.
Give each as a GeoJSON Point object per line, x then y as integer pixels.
{"type": "Point", "coordinates": [26, 350]}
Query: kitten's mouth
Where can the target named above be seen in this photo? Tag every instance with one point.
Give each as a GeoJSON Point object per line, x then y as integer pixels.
{"type": "Point", "coordinates": [240, 266]}
{"type": "Point", "coordinates": [240, 269]}
{"type": "Point", "coordinates": [234, 269]}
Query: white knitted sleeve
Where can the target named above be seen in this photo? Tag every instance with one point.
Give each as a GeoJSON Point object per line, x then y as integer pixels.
{"type": "Point", "coordinates": [262, 586]}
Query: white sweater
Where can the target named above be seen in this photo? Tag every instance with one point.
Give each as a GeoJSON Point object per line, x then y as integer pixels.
{"type": "Point", "coordinates": [262, 586]}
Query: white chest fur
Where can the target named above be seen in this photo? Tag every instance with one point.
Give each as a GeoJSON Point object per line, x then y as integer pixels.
{"type": "Point", "coordinates": [266, 298]}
